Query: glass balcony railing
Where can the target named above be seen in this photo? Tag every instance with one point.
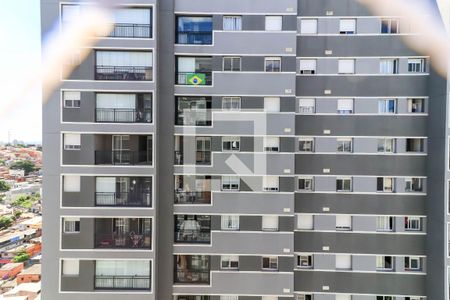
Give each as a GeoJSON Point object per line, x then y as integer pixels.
{"type": "Point", "coordinates": [196, 197]}
{"type": "Point", "coordinates": [123, 157]}
{"type": "Point", "coordinates": [194, 37]}
{"type": "Point", "coordinates": [129, 240]}
{"type": "Point", "coordinates": [124, 199]}
{"type": "Point", "coordinates": [122, 282]}
{"type": "Point", "coordinates": [123, 115]}
{"type": "Point", "coordinates": [192, 276]}
{"type": "Point", "coordinates": [132, 73]}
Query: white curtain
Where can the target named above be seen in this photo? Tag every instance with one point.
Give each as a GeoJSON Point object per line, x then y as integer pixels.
{"type": "Point", "coordinates": [272, 142]}
{"type": "Point", "coordinates": [270, 222]}
{"type": "Point", "coordinates": [272, 104]}
{"type": "Point", "coordinates": [232, 23]}
{"type": "Point", "coordinates": [116, 101]}
{"type": "Point", "coordinates": [230, 222]}
{"type": "Point", "coordinates": [132, 15]}
{"type": "Point", "coordinates": [71, 183]}
{"type": "Point", "coordinates": [305, 221]}
{"type": "Point", "coordinates": [270, 182]}
{"type": "Point", "coordinates": [72, 95]}
{"type": "Point", "coordinates": [346, 66]}
{"type": "Point", "coordinates": [343, 261]}
{"type": "Point", "coordinates": [308, 26]}
{"type": "Point", "coordinates": [73, 139]}
{"type": "Point", "coordinates": [307, 64]}
{"type": "Point", "coordinates": [343, 221]}
{"type": "Point", "coordinates": [122, 267]}
{"type": "Point", "coordinates": [70, 266]}
{"type": "Point", "coordinates": [274, 23]}
{"type": "Point", "coordinates": [124, 58]}
{"type": "Point", "coordinates": [105, 185]}
{"type": "Point", "coordinates": [345, 105]}
{"type": "Point", "coordinates": [186, 64]}
{"type": "Point", "coordinates": [347, 25]}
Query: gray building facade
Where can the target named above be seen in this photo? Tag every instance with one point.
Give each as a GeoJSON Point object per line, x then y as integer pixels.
{"type": "Point", "coordinates": [245, 150]}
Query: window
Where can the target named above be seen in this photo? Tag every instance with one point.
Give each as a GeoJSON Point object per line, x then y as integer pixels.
{"type": "Point", "coordinates": [230, 143]}
{"type": "Point", "coordinates": [343, 184]}
{"type": "Point", "coordinates": [386, 145]}
{"type": "Point", "coordinates": [343, 261]}
{"type": "Point", "coordinates": [305, 261]}
{"type": "Point", "coordinates": [229, 262]}
{"type": "Point", "coordinates": [72, 141]}
{"type": "Point", "coordinates": [343, 297]}
{"type": "Point", "coordinates": [221, 298]}
{"type": "Point", "coordinates": [304, 297]}
{"type": "Point", "coordinates": [194, 30]}
{"type": "Point", "coordinates": [308, 66]}
{"type": "Point", "coordinates": [274, 23]}
{"type": "Point", "coordinates": [389, 66]}
{"type": "Point", "coordinates": [345, 106]}
{"type": "Point", "coordinates": [270, 263]}
{"type": "Point", "coordinates": [72, 99]}
{"type": "Point", "coordinates": [385, 298]}
{"type": "Point", "coordinates": [306, 106]}
{"type": "Point", "coordinates": [346, 66]}
{"type": "Point", "coordinates": [387, 106]}
{"type": "Point", "coordinates": [308, 26]}
{"type": "Point", "coordinates": [415, 145]}
{"type": "Point", "coordinates": [230, 222]}
{"type": "Point", "coordinates": [413, 184]}
{"type": "Point", "coordinates": [343, 222]}
{"type": "Point", "coordinates": [230, 183]}
{"type": "Point", "coordinates": [413, 223]}
{"type": "Point", "coordinates": [71, 183]}
{"type": "Point", "coordinates": [416, 105]}
{"type": "Point", "coordinates": [347, 26]}
{"type": "Point", "coordinates": [232, 64]}
{"type": "Point", "coordinates": [232, 23]}
{"type": "Point", "coordinates": [70, 267]}
{"type": "Point", "coordinates": [306, 184]}
{"type": "Point", "coordinates": [305, 221]}
{"type": "Point", "coordinates": [389, 26]}
{"type": "Point", "coordinates": [271, 144]}
{"type": "Point", "coordinates": [194, 70]}
{"type": "Point", "coordinates": [306, 145]}
{"type": "Point", "coordinates": [344, 145]}
{"type": "Point", "coordinates": [272, 64]}
{"type": "Point", "coordinates": [124, 65]}
{"type": "Point", "coordinates": [416, 65]}
{"type": "Point", "coordinates": [412, 263]}
{"type": "Point", "coordinates": [385, 263]}
{"type": "Point", "coordinates": [71, 225]}
{"type": "Point", "coordinates": [132, 23]}
{"type": "Point", "coordinates": [270, 223]}
{"type": "Point", "coordinates": [190, 111]}
{"type": "Point", "coordinates": [385, 223]}
{"type": "Point", "coordinates": [385, 184]}
{"type": "Point", "coordinates": [270, 183]}
{"type": "Point", "coordinates": [271, 104]}
{"type": "Point", "coordinates": [231, 103]}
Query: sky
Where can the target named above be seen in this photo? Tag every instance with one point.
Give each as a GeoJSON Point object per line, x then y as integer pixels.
{"type": "Point", "coordinates": [19, 52]}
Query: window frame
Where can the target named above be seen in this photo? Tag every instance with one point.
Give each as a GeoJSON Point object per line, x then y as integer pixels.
{"type": "Point", "coordinates": [271, 261]}
{"type": "Point", "coordinates": [341, 144]}
{"type": "Point", "coordinates": [272, 59]}
{"type": "Point", "coordinates": [389, 26]}
{"type": "Point", "coordinates": [234, 18]}
{"type": "Point", "coordinates": [306, 110]}
{"type": "Point", "coordinates": [342, 67]}
{"type": "Point", "coordinates": [344, 180]}
{"type": "Point", "coordinates": [408, 260]}
{"type": "Point", "coordinates": [306, 141]}
{"type": "Point", "coordinates": [71, 225]}
{"type": "Point", "coordinates": [231, 140]}
{"type": "Point", "coordinates": [417, 67]}
{"type": "Point", "coordinates": [385, 142]}
{"type": "Point", "coordinates": [234, 225]}
{"type": "Point", "coordinates": [385, 184]}
{"type": "Point", "coordinates": [316, 26]}
{"type": "Point", "coordinates": [385, 220]}
{"type": "Point", "coordinates": [229, 260]}
{"type": "Point", "coordinates": [410, 221]}
{"type": "Point", "coordinates": [305, 257]}
{"type": "Point", "coordinates": [312, 71]}
{"type": "Point", "coordinates": [72, 101]}
{"type": "Point", "coordinates": [232, 60]}
{"type": "Point", "coordinates": [228, 181]}
{"type": "Point", "coordinates": [382, 259]}
{"type": "Point", "coordinates": [347, 32]}
{"type": "Point", "coordinates": [384, 106]}
{"type": "Point", "coordinates": [274, 17]}
{"type": "Point", "coordinates": [232, 101]}
{"type": "Point", "coordinates": [306, 179]}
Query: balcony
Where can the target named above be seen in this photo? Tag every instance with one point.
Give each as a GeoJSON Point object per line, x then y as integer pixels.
{"type": "Point", "coordinates": [123, 115]}
{"type": "Point", "coordinates": [122, 282]}
{"type": "Point", "coordinates": [201, 157]}
{"type": "Point", "coordinates": [196, 197]}
{"type": "Point", "coordinates": [128, 30]}
{"type": "Point", "coordinates": [191, 269]}
{"type": "Point", "coordinates": [192, 229]}
{"type": "Point", "coordinates": [123, 157]}
{"type": "Point", "coordinates": [124, 199]}
{"type": "Point", "coordinates": [130, 73]}
{"type": "Point", "coordinates": [123, 233]}
{"type": "Point", "coordinates": [194, 37]}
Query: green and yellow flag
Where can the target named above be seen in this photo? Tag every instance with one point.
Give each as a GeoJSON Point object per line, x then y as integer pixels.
{"type": "Point", "coordinates": [196, 78]}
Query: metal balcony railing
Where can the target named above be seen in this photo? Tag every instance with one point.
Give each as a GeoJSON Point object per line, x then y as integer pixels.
{"type": "Point", "coordinates": [123, 157]}
{"type": "Point", "coordinates": [194, 78]}
{"type": "Point", "coordinates": [127, 30]}
{"type": "Point", "coordinates": [123, 73]}
{"type": "Point", "coordinates": [122, 282]}
{"type": "Point", "coordinates": [193, 236]}
{"type": "Point", "coordinates": [125, 199]}
{"type": "Point", "coordinates": [192, 276]}
{"type": "Point", "coordinates": [123, 115]}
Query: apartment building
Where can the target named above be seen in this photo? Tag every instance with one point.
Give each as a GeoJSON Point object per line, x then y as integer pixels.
{"type": "Point", "coordinates": [245, 150]}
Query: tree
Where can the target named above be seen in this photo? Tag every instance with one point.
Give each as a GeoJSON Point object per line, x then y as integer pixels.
{"type": "Point", "coordinates": [22, 256]}
{"type": "Point", "coordinates": [4, 187]}
{"type": "Point", "coordinates": [5, 222]}
{"type": "Point", "coordinates": [24, 202]}
{"type": "Point", "coordinates": [17, 215]}
{"type": "Point", "coordinates": [26, 165]}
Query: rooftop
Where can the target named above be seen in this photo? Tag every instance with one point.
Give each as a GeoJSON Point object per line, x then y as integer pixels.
{"type": "Point", "coordinates": [34, 269]}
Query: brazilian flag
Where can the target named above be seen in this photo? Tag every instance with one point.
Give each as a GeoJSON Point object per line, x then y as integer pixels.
{"type": "Point", "coordinates": [196, 79]}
